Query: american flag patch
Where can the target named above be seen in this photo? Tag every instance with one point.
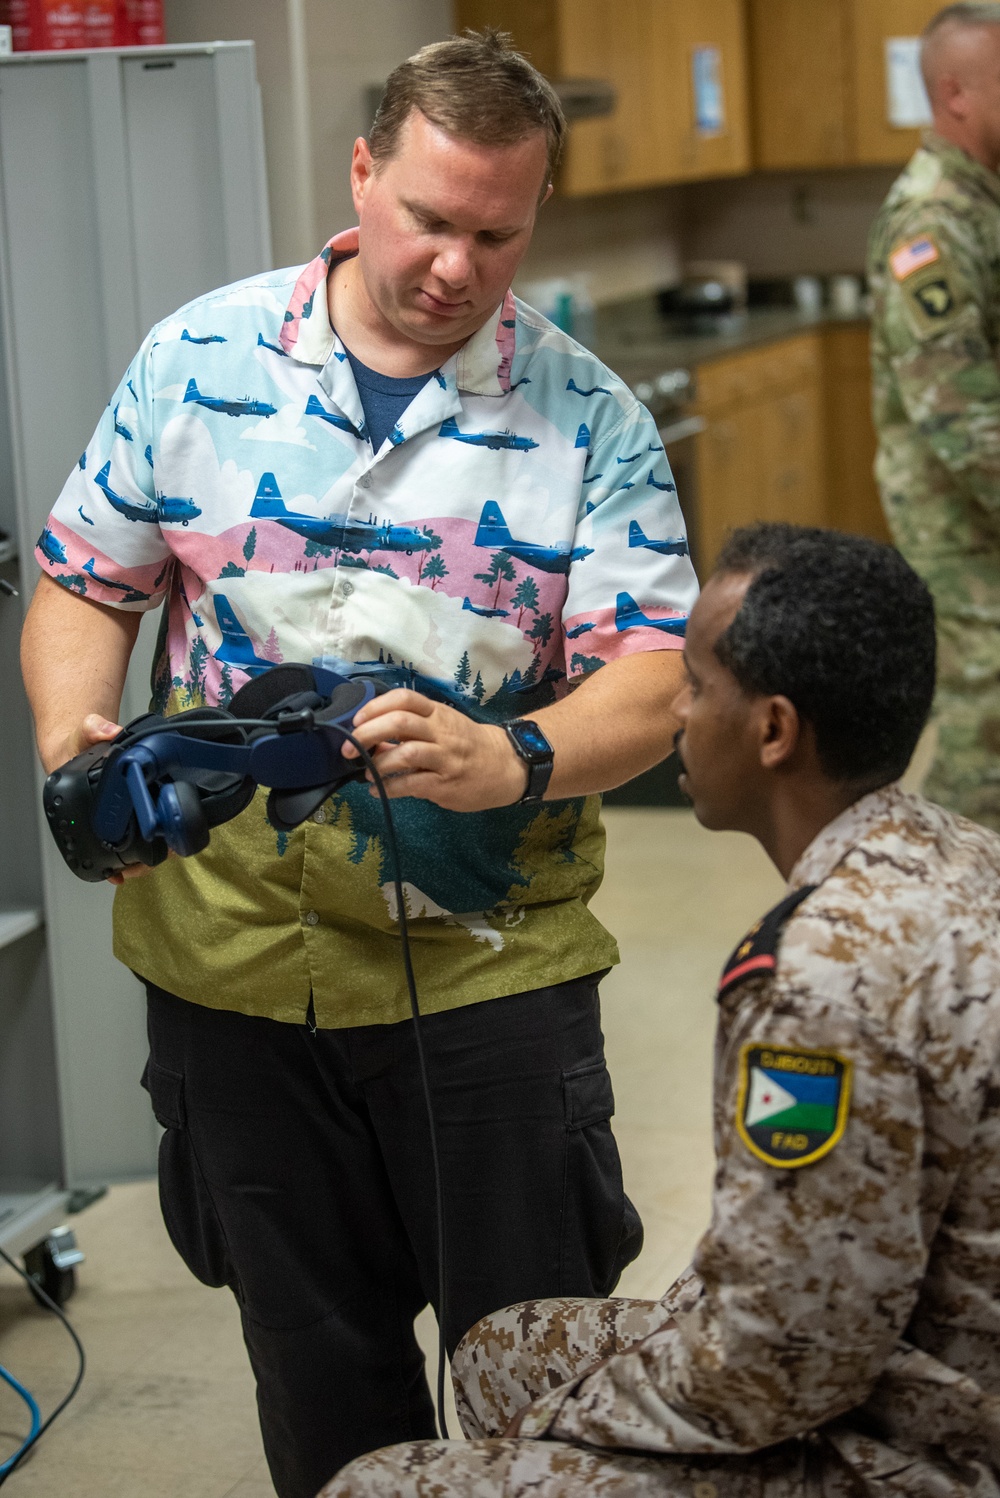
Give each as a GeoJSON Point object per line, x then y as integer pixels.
{"type": "Point", "coordinates": [910, 257]}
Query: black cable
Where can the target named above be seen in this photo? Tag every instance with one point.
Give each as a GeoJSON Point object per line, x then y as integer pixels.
{"type": "Point", "coordinates": [197, 727]}
{"type": "Point", "coordinates": [36, 1289]}
{"type": "Point", "coordinates": [411, 985]}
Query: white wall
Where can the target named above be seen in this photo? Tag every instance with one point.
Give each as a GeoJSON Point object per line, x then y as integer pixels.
{"type": "Point", "coordinates": [782, 223]}
{"type": "Point", "coordinates": [314, 61]}
{"type": "Point", "coordinates": [625, 243]}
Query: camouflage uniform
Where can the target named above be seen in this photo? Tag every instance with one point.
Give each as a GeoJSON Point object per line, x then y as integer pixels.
{"type": "Point", "coordinates": [934, 269]}
{"type": "Point", "coordinates": [839, 1330]}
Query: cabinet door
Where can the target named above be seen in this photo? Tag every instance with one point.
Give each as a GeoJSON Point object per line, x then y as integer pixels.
{"type": "Point", "coordinates": [791, 457]}
{"type": "Point", "coordinates": [728, 487]}
{"type": "Point", "coordinates": [612, 42]}
{"type": "Point", "coordinates": [873, 22]}
{"type": "Point", "coordinates": [799, 60]}
{"type": "Point", "coordinates": [853, 502]}
{"type": "Point", "coordinates": [697, 50]}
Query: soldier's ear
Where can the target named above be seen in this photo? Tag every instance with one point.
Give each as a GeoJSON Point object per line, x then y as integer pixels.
{"type": "Point", "coordinates": [779, 730]}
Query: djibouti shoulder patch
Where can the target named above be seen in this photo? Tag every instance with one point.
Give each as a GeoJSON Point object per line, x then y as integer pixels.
{"type": "Point", "coordinates": [792, 1105]}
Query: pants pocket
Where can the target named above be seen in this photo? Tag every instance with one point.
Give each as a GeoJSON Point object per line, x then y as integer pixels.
{"type": "Point", "coordinates": [189, 1214]}
{"type": "Point", "coordinates": [601, 1230]}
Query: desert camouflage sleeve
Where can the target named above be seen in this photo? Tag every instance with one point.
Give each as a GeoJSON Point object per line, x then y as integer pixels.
{"type": "Point", "coordinates": [810, 1273]}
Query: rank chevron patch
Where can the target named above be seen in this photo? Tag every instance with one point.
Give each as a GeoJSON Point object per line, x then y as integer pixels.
{"type": "Point", "coordinates": [792, 1105]}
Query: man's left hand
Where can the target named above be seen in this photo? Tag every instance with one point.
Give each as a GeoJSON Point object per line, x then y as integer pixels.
{"type": "Point", "coordinates": [427, 749]}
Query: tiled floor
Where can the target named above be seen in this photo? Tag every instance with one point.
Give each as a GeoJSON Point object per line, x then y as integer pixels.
{"type": "Point", "coordinates": [167, 1406]}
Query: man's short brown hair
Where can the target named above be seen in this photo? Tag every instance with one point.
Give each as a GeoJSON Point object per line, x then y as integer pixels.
{"type": "Point", "coordinates": [476, 87]}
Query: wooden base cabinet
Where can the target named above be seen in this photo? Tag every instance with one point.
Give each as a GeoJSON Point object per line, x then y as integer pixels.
{"type": "Point", "coordinates": [760, 456]}
{"type": "Point", "coordinates": [788, 436]}
{"type": "Point", "coordinates": [852, 497]}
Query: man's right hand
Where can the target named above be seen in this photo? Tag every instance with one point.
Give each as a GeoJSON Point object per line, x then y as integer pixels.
{"type": "Point", "coordinates": [96, 729]}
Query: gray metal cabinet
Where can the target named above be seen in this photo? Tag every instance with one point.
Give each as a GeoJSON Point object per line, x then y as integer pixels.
{"type": "Point", "coordinates": [130, 181]}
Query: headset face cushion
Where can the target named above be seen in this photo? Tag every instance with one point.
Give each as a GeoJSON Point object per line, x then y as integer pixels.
{"type": "Point", "coordinates": [261, 693]}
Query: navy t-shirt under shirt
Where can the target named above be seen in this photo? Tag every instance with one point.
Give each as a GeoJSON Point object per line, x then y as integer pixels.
{"type": "Point", "coordinates": [383, 399]}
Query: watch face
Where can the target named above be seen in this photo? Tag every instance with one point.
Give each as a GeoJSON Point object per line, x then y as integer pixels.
{"type": "Point", "coordinates": [532, 740]}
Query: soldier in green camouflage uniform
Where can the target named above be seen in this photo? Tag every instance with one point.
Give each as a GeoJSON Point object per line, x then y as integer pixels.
{"type": "Point", "coordinates": [934, 271]}
{"type": "Point", "coordinates": [839, 1330]}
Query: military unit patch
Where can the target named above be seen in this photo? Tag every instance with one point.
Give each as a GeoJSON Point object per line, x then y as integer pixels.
{"type": "Point", "coordinates": [792, 1104]}
{"type": "Point", "coordinates": [935, 297]}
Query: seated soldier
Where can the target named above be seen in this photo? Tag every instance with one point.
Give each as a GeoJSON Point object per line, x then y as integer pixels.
{"type": "Point", "coordinates": [839, 1329]}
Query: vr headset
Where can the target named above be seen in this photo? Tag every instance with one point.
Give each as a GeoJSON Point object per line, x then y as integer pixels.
{"type": "Point", "coordinates": [164, 783]}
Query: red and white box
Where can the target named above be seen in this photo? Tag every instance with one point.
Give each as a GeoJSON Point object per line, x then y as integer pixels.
{"type": "Point", "coordinates": [139, 23]}
{"type": "Point", "coordinates": [55, 25]}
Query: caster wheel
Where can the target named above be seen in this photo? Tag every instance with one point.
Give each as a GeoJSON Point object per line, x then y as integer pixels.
{"type": "Point", "coordinates": [51, 1265]}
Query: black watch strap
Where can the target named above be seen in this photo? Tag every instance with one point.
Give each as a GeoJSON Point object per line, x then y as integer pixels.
{"type": "Point", "coordinates": [534, 749]}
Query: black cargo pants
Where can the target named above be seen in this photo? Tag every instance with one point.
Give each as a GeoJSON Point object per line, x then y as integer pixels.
{"type": "Point", "coordinates": [295, 1168]}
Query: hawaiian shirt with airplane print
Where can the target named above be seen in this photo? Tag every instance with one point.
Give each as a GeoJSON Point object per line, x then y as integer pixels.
{"type": "Point", "coordinates": [518, 529]}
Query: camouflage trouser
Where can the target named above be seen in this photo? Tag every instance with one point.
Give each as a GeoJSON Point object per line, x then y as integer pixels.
{"type": "Point", "coordinates": [505, 1362]}
{"type": "Point", "coordinates": [965, 775]}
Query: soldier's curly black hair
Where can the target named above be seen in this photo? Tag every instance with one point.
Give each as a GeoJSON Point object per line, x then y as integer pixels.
{"type": "Point", "coordinates": [844, 628]}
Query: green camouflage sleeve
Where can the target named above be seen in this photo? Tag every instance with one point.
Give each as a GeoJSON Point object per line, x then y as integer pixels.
{"type": "Point", "coordinates": [815, 1255]}
{"type": "Point", "coordinates": [937, 301]}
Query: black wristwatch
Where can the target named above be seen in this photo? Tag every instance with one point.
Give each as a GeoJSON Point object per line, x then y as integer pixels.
{"type": "Point", "coordinates": [533, 747]}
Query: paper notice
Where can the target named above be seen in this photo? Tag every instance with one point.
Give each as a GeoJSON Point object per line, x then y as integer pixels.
{"type": "Point", "coordinates": [906, 98]}
{"type": "Point", "coordinates": [709, 103]}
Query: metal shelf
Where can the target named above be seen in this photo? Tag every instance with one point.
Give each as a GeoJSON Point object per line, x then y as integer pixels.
{"type": "Point", "coordinates": [17, 923]}
{"type": "Point", "coordinates": [26, 1217]}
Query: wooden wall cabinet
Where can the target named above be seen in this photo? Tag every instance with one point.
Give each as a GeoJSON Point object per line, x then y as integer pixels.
{"type": "Point", "coordinates": [646, 49]}
{"type": "Point", "coordinates": [818, 80]}
{"type": "Point", "coordinates": [788, 436]}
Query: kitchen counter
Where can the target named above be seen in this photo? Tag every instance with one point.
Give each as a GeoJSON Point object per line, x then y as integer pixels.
{"type": "Point", "coordinates": [638, 343]}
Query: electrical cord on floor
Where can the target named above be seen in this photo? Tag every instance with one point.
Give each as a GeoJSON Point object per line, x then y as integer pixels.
{"type": "Point", "coordinates": [39, 1429]}
{"type": "Point", "coordinates": [411, 985]}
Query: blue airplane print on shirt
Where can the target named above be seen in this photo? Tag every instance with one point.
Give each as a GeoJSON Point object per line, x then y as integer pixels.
{"type": "Point", "coordinates": [149, 454]}
{"type": "Point", "coordinates": [594, 389]}
{"type": "Point", "coordinates": [245, 407]}
{"type": "Point", "coordinates": [652, 483]}
{"type": "Point", "coordinates": [495, 441]}
{"type": "Point", "coordinates": [578, 630]}
{"type": "Point", "coordinates": [337, 531]}
{"type": "Point", "coordinates": [237, 647]}
{"type": "Point", "coordinates": [582, 435]}
{"type": "Point", "coordinates": [122, 431]}
{"type": "Point", "coordinates": [85, 518]}
{"type": "Point", "coordinates": [314, 408]}
{"type": "Point", "coordinates": [131, 509]}
{"type": "Point", "coordinates": [53, 550]}
{"type": "Point", "coordinates": [81, 462]}
{"type": "Point", "coordinates": [274, 347]}
{"type": "Point", "coordinates": [172, 510]}
{"type": "Point", "coordinates": [187, 337]}
{"type": "Point", "coordinates": [129, 594]}
{"type": "Point", "coordinates": [628, 615]}
{"type": "Point", "coordinates": [484, 613]}
{"type": "Point", "coordinates": [631, 459]}
{"type": "Point", "coordinates": [492, 532]}
{"type": "Point", "coordinates": [677, 547]}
